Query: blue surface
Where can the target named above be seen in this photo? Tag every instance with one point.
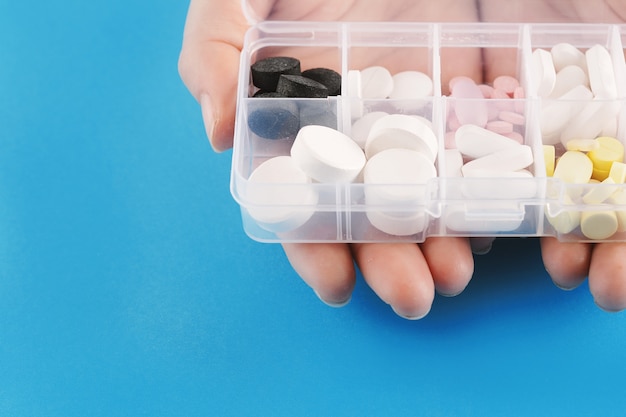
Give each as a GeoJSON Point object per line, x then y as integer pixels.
{"type": "Point", "coordinates": [128, 288]}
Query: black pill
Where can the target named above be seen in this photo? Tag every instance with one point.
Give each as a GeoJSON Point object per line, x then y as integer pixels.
{"type": "Point", "coordinates": [331, 79]}
{"type": "Point", "coordinates": [299, 86]}
{"type": "Point", "coordinates": [266, 72]}
{"type": "Point", "coordinates": [273, 118]}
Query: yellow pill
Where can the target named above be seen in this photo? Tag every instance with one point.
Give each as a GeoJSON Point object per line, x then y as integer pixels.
{"type": "Point", "coordinates": [618, 172]}
{"type": "Point", "coordinates": [619, 199]}
{"type": "Point", "coordinates": [565, 221]}
{"type": "Point", "coordinates": [598, 225]}
{"type": "Point", "coordinates": [583, 145]}
{"type": "Point", "coordinates": [574, 167]}
{"type": "Point", "coordinates": [610, 150]}
{"type": "Point", "coordinates": [549, 158]}
{"type": "Point", "coordinates": [600, 192]}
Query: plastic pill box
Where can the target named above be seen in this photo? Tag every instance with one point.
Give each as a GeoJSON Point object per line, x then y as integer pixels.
{"type": "Point", "coordinates": [527, 201]}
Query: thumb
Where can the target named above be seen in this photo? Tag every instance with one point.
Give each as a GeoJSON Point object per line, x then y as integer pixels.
{"type": "Point", "coordinates": [209, 64]}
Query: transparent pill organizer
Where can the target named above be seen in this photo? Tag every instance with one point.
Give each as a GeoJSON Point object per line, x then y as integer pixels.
{"type": "Point", "coordinates": [523, 201]}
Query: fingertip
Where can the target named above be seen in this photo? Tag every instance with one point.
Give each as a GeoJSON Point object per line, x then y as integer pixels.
{"type": "Point", "coordinates": [325, 267]}
{"type": "Point", "coordinates": [567, 263]}
{"type": "Point", "coordinates": [450, 277]}
{"type": "Point", "coordinates": [399, 275]}
{"type": "Point", "coordinates": [607, 276]}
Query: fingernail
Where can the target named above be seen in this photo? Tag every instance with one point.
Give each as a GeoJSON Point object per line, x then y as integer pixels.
{"type": "Point", "coordinates": [335, 304]}
{"type": "Point", "coordinates": [208, 118]}
{"type": "Point", "coordinates": [481, 245]}
{"type": "Point", "coordinates": [410, 316]}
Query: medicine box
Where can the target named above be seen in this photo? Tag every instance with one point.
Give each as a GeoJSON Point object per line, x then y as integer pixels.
{"type": "Point", "coordinates": [488, 201]}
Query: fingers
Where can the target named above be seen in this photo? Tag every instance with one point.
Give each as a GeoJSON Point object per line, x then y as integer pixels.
{"type": "Point", "coordinates": [567, 263]}
{"type": "Point", "coordinates": [209, 63]}
{"type": "Point", "coordinates": [607, 276]}
{"type": "Point", "coordinates": [399, 274]}
{"type": "Point", "coordinates": [326, 267]}
{"type": "Point", "coordinates": [451, 263]}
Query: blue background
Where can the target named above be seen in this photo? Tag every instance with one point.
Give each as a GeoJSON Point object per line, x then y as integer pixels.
{"type": "Point", "coordinates": [128, 288]}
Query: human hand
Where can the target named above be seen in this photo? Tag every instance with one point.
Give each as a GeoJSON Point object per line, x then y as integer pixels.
{"type": "Point", "coordinates": [569, 264]}
{"type": "Point", "coordinates": [404, 275]}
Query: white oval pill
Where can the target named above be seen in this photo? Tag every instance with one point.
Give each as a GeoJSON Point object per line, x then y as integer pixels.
{"type": "Point", "coordinates": [543, 72]}
{"type": "Point", "coordinates": [327, 155]}
{"type": "Point", "coordinates": [590, 121]}
{"type": "Point", "coordinates": [361, 127]}
{"type": "Point", "coordinates": [601, 73]}
{"type": "Point", "coordinates": [376, 82]}
{"type": "Point", "coordinates": [279, 195]}
{"type": "Point", "coordinates": [401, 131]}
{"type": "Point", "coordinates": [514, 158]}
{"type": "Point", "coordinates": [555, 115]}
{"type": "Point", "coordinates": [568, 78]}
{"type": "Point", "coordinates": [475, 142]}
{"type": "Point", "coordinates": [564, 54]}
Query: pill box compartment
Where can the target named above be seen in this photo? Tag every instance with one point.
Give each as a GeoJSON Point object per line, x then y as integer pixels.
{"type": "Point", "coordinates": [448, 205]}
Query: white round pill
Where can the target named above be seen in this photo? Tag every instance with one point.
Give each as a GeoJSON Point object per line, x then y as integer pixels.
{"type": "Point", "coordinates": [397, 225]}
{"type": "Point", "coordinates": [398, 177]}
{"type": "Point", "coordinates": [327, 155]}
{"type": "Point", "coordinates": [401, 131]}
{"type": "Point", "coordinates": [411, 85]}
{"type": "Point", "coordinates": [279, 195]}
{"type": "Point", "coordinates": [395, 185]}
{"type": "Point", "coordinates": [361, 127]}
{"type": "Point", "coordinates": [376, 82]}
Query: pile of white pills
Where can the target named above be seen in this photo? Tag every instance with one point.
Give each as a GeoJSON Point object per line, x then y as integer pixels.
{"type": "Point", "coordinates": [579, 91]}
